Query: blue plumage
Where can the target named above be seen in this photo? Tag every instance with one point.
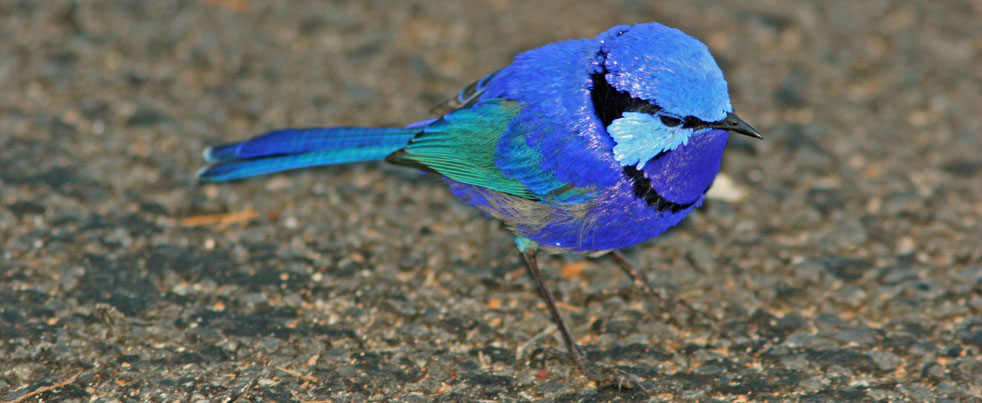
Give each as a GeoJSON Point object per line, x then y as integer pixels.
{"type": "Point", "coordinates": [286, 149]}
{"type": "Point", "coordinates": [661, 64]}
{"type": "Point", "coordinates": [298, 141]}
{"type": "Point", "coordinates": [581, 145]}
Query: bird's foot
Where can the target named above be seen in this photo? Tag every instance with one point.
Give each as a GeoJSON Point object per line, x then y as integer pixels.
{"type": "Point", "coordinates": [611, 376]}
{"type": "Point", "coordinates": [593, 372]}
{"type": "Point", "coordinates": [605, 375]}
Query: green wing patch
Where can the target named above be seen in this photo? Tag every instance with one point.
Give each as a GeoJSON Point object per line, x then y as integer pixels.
{"type": "Point", "coordinates": [462, 146]}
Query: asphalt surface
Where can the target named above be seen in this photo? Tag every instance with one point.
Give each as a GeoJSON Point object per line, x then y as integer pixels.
{"type": "Point", "coordinates": [839, 259]}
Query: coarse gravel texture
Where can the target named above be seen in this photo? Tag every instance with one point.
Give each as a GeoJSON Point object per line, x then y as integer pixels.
{"type": "Point", "coordinates": [839, 259]}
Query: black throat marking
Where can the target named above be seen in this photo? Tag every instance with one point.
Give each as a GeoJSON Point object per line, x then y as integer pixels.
{"type": "Point", "coordinates": [644, 190]}
{"type": "Point", "coordinates": [610, 104]}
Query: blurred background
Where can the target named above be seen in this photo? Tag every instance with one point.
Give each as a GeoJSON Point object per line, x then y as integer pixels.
{"type": "Point", "coordinates": [838, 259]}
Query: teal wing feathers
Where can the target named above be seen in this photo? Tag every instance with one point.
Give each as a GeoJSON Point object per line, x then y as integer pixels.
{"type": "Point", "coordinates": [463, 144]}
{"type": "Point", "coordinates": [522, 158]}
{"type": "Point", "coordinates": [485, 145]}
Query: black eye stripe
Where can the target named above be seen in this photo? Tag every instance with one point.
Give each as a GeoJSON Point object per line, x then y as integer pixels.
{"type": "Point", "coordinates": [609, 104]}
{"type": "Point", "coordinates": [692, 122]}
{"type": "Point", "coordinates": [670, 121]}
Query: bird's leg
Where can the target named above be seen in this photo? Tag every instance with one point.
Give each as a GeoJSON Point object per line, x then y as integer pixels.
{"type": "Point", "coordinates": [593, 372]}
{"type": "Point", "coordinates": [641, 281]}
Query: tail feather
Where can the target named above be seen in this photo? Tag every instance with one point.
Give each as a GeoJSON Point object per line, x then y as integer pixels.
{"type": "Point", "coordinates": [286, 149]}
{"type": "Point", "coordinates": [296, 141]}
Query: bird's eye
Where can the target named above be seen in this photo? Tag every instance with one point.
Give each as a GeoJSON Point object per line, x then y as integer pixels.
{"type": "Point", "coordinates": [670, 121]}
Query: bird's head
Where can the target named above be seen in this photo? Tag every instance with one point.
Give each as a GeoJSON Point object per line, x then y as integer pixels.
{"type": "Point", "coordinates": [655, 87]}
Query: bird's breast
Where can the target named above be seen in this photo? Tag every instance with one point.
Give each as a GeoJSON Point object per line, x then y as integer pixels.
{"type": "Point", "coordinates": [677, 179]}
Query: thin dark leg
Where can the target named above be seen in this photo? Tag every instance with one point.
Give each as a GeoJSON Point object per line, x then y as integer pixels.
{"type": "Point", "coordinates": [593, 372]}
{"type": "Point", "coordinates": [641, 281]}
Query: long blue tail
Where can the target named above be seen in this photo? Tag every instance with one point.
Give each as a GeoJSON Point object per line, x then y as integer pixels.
{"type": "Point", "coordinates": [285, 149]}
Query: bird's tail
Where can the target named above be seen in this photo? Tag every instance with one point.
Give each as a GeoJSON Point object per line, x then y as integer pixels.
{"type": "Point", "coordinates": [285, 149]}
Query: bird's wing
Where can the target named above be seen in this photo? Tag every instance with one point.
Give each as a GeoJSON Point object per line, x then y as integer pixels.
{"type": "Point", "coordinates": [465, 97]}
{"type": "Point", "coordinates": [485, 145]}
{"type": "Point", "coordinates": [528, 152]}
{"type": "Point", "coordinates": [462, 146]}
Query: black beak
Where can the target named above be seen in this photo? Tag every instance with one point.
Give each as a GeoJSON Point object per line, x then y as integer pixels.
{"type": "Point", "coordinates": [733, 123]}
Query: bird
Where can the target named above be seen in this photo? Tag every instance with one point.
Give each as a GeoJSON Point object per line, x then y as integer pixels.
{"type": "Point", "coordinates": [579, 146]}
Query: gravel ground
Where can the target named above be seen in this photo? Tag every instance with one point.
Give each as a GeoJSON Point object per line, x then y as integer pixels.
{"type": "Point", "coordinates": [839, 259]}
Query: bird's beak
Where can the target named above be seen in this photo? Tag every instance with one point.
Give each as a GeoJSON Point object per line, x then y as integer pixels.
{"type": "Point", "coordinates": [733, 123]}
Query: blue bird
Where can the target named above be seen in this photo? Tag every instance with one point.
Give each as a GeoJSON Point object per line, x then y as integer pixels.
{"type": "Point", "coordinates": [586, 145]}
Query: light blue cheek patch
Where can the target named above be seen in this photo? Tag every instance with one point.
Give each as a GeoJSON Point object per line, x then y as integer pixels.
{"type": "Point", "coordinates": [640, 137]}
